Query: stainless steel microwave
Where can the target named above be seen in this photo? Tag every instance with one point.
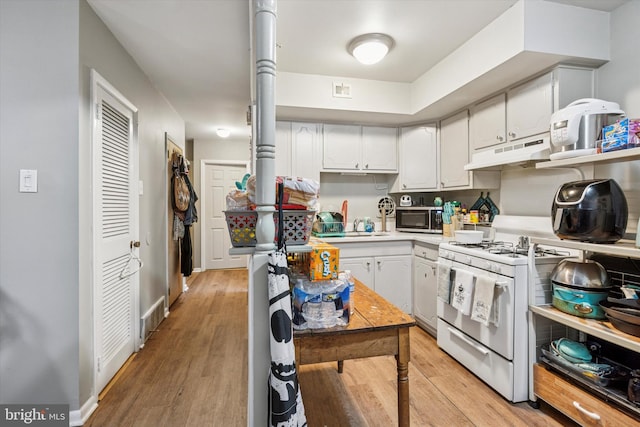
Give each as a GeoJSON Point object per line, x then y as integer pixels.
{"type": "Point", "coordinates": [420, 219]}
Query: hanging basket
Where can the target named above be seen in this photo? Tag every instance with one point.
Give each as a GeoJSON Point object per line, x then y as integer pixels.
{"type": "Point", "coordinates": [242, 227]}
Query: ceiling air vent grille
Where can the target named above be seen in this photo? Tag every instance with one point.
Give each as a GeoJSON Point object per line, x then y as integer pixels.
{"type": "Point", "coordinates": [341, 90]}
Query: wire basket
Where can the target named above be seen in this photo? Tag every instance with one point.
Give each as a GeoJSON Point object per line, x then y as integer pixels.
{"type": "Point", "coordinates": [242, 227]}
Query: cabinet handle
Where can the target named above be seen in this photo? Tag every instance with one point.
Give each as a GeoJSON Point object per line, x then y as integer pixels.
{"type": "Point", "coordinates": [589, 414]}
{"type": "Point", "coordinates": [404, 185]}
{"type": "Point", "coordinates": [512, 134]}
{"type": "Point", "coordinates": [357, 165]}
{"type": "Point", "coordinates": [366, 166]}
{"type": "Point", "coordinates": [473, 345]}
{"type": "Point", "coordinates": [500, 138]}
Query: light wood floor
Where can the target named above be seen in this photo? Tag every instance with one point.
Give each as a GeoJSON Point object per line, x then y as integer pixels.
{"type": "Point", "coordinates": [193, 372]}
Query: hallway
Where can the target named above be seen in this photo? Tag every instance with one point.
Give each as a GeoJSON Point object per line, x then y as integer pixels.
{"type": "Point", "coordinates": [193, 372]}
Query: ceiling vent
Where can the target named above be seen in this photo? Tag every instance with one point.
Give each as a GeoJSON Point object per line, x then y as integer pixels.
{"type": "Point", "coordinates": [341, 90]}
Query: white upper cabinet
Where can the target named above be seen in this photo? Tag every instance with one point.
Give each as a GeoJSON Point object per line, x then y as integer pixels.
{"type": "Point", "coordinates": [487, 125]}
{"type": "Point", "coordinates": [298, 149]}
{"type": "Point", "coordinates": [358, 148]}
{"type": "Point", "coordinates": [283, 149]}
{"type": "Point", "coordinates": [380, 148]}
{"type": "Point", "coordinates": [530, 105]}
{"type": "Point", "coordinates": [418, 159]}
{"type": "Point", "coordinates": [454, 151]}
{"type": "Point", "coordinates": [342, 147]}
{"type": "Point", "coordinates": [529, 108]}
{"type": "Point", "coordinates": [306, 150]}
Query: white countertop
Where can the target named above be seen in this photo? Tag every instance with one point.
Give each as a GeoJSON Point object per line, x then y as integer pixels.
{"type": "Point", "coordinates": [391, 236]}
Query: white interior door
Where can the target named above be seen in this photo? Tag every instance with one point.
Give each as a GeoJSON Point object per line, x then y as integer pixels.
{"type": "Point", "coordinates": [219, 179]}
{"type": "Point", "coordinates": [115, 218]}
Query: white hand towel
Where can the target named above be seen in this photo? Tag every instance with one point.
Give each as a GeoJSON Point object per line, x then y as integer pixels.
{"type": "Point", "coordinates": [494, 317]}
{"type": "Point", "coordinates": [483, 299]}
{"type": "Point", "coordinates": [463, 291]}
{"type": "Point", "coordinates": [444, 283]}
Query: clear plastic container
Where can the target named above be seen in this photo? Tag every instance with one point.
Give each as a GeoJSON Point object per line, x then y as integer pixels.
{"type": "Point", "coordinates": [348, 279]}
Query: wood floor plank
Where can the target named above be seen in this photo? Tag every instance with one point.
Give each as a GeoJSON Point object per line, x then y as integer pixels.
{"type": "Point", "coordinates": [193, 371]}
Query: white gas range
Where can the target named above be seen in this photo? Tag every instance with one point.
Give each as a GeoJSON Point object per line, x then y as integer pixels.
{"type": "Point", "coordinates": [496, 351]}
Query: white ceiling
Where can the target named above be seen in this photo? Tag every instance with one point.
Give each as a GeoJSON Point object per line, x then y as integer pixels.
{"type": "Point", "coordinates": [197, 52]}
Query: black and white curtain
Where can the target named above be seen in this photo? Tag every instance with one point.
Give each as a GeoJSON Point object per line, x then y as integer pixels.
{"type": "Point", "coordinates": [285, 400]}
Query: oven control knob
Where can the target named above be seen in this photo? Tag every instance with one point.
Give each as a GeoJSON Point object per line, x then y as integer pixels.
{"type": "Point", "coordinates": [490, 266]}
{"type": "Point", "coordinates": [468, 260]}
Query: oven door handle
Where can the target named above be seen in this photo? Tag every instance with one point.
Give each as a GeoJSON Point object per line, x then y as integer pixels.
{"type": "Point", "coordinates": [461, 336]}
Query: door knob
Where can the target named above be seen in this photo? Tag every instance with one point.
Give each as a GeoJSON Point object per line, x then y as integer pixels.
{"type": "Point", "coordinates": [134, 244]}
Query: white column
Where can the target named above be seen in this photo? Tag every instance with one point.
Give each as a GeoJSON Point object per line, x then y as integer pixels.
{"type": "Point", "coordinates": [265, 117]}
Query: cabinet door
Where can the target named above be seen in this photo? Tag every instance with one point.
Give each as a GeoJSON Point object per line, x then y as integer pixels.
{"type": "Point", "coordinates": [425, 291]}
{"type": "Point", "coordinates": [305, 150]}
{"type": "Point", "coordinates": [454, 151]}
{"type": "Point", "coordinates": [418, 158]}
{"type": "Point", "coordinates": [393, 280]}
{"type": "Point", "coordinates": [487, 125]}
{"type": "Point", "coordinates": [361, 269]}
{"type": "Point", "coordinates": [380, 149]}
{"type": "Point", "coordinates": [283, 149]}
{"type": "Point", "coordinates": [529, 108]}
{"type": "Point", "coordinates": [342, 147]}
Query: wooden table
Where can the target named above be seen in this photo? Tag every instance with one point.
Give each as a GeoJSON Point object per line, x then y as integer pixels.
{"type": "Point", "coordinates": [377, 328]}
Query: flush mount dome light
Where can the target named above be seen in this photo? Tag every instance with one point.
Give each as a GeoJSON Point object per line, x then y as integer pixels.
{"type": "Point", "coordinates": [223, 133]}
{"type": "Point", "coordinates": [370, 48]}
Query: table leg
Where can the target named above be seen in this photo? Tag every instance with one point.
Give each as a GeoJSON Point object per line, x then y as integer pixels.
{"type": "Point", "coordinates": [402, 360]}
{"type": "Point", "coordinates": [340, 366]}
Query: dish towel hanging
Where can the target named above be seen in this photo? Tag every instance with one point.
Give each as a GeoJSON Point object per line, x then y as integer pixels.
{"type": "Point", "coordinates": [483, 299]}
{"type": "Point", "coordinates": [285, 400]}
{"type": "Point", "coordinates": [463, 291]}
{"type": "Point", "coordinates": [444, 283]}
{"type": "Point", "coordinates": [494, 317]}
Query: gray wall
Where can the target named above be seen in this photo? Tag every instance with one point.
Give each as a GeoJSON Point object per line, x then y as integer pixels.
{"type": "Point", "coordinates": [100, 50]}
{"type": "Point", "coordinates": [47, 48]}
{"type": "Point", "coordinates": [39, 284]}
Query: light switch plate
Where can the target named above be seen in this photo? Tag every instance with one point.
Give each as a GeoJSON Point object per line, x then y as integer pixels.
{"type": "Point", "coordinates": [28, 180]}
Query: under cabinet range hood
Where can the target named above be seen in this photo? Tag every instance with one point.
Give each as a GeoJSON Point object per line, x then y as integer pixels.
{"type": "Point", "coordinates": [533, 149]}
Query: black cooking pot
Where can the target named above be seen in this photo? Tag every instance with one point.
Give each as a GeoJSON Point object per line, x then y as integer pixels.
{"type": "Point", "coordinates": [590, 211]}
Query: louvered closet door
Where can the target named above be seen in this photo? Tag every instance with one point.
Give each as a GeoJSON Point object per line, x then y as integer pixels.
{"type": "Point", "coordinates": [115, 205]}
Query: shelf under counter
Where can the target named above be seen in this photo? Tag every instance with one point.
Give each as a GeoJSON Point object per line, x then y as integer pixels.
{"type": "Point", "coordinates": [622, 248]}
{"type": "Point", "coordinates": [612, 156]}
{"type": "Point", "coordinates": [597, 328]}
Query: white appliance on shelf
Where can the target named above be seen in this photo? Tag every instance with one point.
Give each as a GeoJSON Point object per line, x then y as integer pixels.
{"type": "Point", "coordinates": [497, 353]}
{"type": "Point", "coordinates": [576, 128]}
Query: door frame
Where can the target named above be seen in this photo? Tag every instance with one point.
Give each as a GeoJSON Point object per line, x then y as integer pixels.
{"type": "Point", "coordinates": [97, 81]}
{"type": "Point", "coordinates": [203, 164]}
{"type": "Point", "coordinates": [169, 221]}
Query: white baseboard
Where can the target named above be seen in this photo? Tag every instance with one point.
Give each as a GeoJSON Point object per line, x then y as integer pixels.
{"type": "Point", "coordinates": [79, 417]}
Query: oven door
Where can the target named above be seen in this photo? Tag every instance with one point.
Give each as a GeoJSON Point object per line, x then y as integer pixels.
{"type": "Point", "coordinates": [500, 337]}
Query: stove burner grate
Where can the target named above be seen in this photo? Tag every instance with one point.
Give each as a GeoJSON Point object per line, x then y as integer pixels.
{"type": "Point", "coordinates": [509, 249]}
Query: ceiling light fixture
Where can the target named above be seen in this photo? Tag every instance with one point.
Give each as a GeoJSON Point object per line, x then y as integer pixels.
{"type": "Point", "coordinates": [370, 48]}
{"type": "Point", "coordinates": [223, 133]}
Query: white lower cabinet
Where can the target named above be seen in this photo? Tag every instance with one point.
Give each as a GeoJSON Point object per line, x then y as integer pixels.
{"type": "Point", "coordinates": [384, 267]}
{"type": "Point", "coordinates": [425, 293]}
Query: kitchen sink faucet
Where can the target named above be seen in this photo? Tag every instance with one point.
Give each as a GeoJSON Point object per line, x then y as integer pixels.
{"type": "Point", "coordinates": [356, 222]}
